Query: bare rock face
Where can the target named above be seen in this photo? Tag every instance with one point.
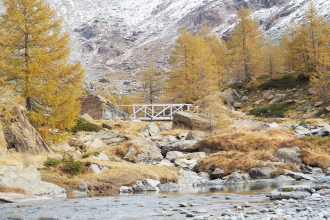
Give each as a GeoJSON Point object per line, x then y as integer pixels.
{"type": "Point", "coordinates": [99, 108]}
{"type": "Point", "coordinates": [22, 136]}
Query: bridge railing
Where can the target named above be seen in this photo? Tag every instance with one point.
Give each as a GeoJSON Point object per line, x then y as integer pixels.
{"type": "Point", "coordinates": [159, 112]}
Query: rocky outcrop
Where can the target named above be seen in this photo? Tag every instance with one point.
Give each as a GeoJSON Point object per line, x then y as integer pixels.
{"type": "Point", "coordinates": [289, 155]}
{"type": "Point", "coordinates": [21, 135]}
{"type": "Point", "coordinates": [190, 121]}
{"type": "Point", "coordinates": [100, 108]}
{"type": "Point", "coordinates": [144, 151]}
{"type": "Point", "coordinates": [228, 96]}
{"type": "Point", "coordinates": [107, 137]}
{"type": "Point", "coordinates": [146, 185]}
{"type": "Point", "coordinates": [28, 179]}
{"type": "Point", "coordinates": [182, 145]}
{"type": "Point", "coordinates": [262, 172]}
{"type": "Point", "coordinates": [237, 177]}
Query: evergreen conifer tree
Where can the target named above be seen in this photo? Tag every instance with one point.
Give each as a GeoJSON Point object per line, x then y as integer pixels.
{"type": "Point", "coordinates": [37, 63]}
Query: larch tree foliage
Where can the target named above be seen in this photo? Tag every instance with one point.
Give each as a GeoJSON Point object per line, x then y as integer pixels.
{"type": "Point", "coordinates": [193, 70]}
{"type": "Point", "coordinates": [151, 84]}
{"type": "Point", "coordinates": [272, 59]}
{"type": "Point", "coordinates": [245, 47]}
{"type": "Point", "coordinates": [312, 38]}
{"type": "Point", "coordinates": [37, 63]}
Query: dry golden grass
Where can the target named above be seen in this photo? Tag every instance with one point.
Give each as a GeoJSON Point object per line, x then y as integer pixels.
{"type": "Point", "coordinates": [242, 150]}
{"type": "Point", "coordinates": [119, 174]}
{"type": "Point", "coordinates": [175, 132]}
{"type": "Point", "coordinates": [24, 160]}
{"type": "Point", "coordinates": [6, 189]}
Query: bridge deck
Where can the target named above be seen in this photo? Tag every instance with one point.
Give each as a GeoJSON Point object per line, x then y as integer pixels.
{"type": "Point", "coordinates": [158, 112]}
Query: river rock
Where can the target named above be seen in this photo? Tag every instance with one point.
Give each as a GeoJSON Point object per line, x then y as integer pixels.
{"type": "Point", "coordinates": [126, 189]}
{"type": "Point", "coordinates": [305, 169]}
{"type": "Point", "coordinates": [297, 176]}
{"type": "Point", "coordinates": [21, 135]}
{"type": "Point", "coordinates": [291, 192]}
{"type": "Point", "coordinates": [289, 155]}
{"type": "Point", "coordinates": [217, 174]}
{"type": "Point", "coordinates": [237, 177]}
{"type": "Point", "coordinates": [110, 138]}
{"type": "Point", "coordinates": [182, 146]}
{"type": "Point", "coordinates": [189, 160]}
{"type": "Point", "coordinates": [173, 154]}
{"type": "Point", "coordinates": [150, 130]}
{"type": "Point", "coordinates": [261, 172]}
{"type": "Point", "coordinates": [83, 187]}
{"type": "Point", "coordinates": [29, 179]}
{"type": "Point", "coordinates": [146, 185]}
{"type": "Point", "coordinates": [190, 121]}
{"type": "Point", "coordinates": [143, 150]}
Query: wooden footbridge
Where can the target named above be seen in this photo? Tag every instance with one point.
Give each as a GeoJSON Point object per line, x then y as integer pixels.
{"type": "Point", "coordinates": [158, 112]}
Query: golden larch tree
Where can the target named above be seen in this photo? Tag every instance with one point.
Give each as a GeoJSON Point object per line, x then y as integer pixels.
{"type": "Point", "coordinates": [245, 46]}
{"type": "Point", "coordinates": [38, 64]}
{"type": "Point", "coordinates": [313, 35]}
{"type": "Point", "coordinates": [151, 80]}
{"type": "Point", "coordinates": [272, 59]}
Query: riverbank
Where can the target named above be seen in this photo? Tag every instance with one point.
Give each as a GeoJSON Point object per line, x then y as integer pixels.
{"type": "Point", "coordinates": [236, 201]}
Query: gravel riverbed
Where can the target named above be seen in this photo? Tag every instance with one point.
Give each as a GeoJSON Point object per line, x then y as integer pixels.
{"type": "Point", "coordinates": [249, 202]}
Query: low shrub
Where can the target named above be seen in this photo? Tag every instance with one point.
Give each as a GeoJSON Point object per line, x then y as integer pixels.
{"type": "Point", "coordinates": [285, 82]}
{"type": "Point", "coordinates": [52, 162]}
{"type": "Point", "coordinates": [74, 167]}
{"type": "Point", "coordinates": [83, 125]}
{"type": "Point", "coordinates": [275, 110]}
{"type": "Point", "coordinates": [86, 155]}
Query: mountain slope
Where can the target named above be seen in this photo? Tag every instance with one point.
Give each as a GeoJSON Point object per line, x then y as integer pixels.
{"type": "Point", "coordinates": [121, 35]}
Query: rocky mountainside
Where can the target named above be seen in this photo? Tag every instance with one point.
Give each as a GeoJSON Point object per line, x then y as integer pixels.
{"type": "Point", "coordinates": [119, 36]}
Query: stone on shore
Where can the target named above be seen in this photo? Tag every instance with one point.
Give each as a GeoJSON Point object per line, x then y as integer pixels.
{"type": "Point", "coordinates": [289, 155]}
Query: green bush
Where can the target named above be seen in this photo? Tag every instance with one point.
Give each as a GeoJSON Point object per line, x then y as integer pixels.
{"type": "Point", "coordinates": [89, 154]}
{"type": "Point", "coordinates": [52, 162]}
{"type": "Point", "coordinates": [74, 167]}
{"type": "Point", "coordinates": [275, 110]}
{"type": "Point", "coordinates": [83, 125]}
{"type": "Point", "coordinates": [285, 82]}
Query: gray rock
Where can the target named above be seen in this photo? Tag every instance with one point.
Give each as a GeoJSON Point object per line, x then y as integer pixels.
{"type": "Point", "coordinates": [144, 151]}
{"type": "Point", "coordinates": [146, 185]}
{"type": "Point", "coordinates": [277, 98]}
{"type": "Point", "coordinates": [165, 127]}
{"type": "Point", "coordinates": [126, 189]}
{"type": "Point", "coordinates": [166, 163]}
{"type": "Point", "coordinates": [173, 154]}
{"type": "Point", "coordinates": [95, 168]}
{"type": "Point", "coordinates": [297, 176]}
{"type": "Point", "coordinates": [14, 198]}
{"type": "Point", "coordinates": [289, 155]}
{"type": "Point", "coordinates": [227, 212]}
{"type": "Point", "coordinates": [181, 136]}
{"type": "Point", "coordinates": [254, 125]}
{"type": "Point", "coordinates": [262, 172]}
{"type": "Point", "coordinates": [110, 137]}
{"type": "Point", "coordinates": [325, 131]}
{"type": "Point", "coordinates": [236, 177]}
{"type": "Point", "coordinates": [190, 121]}
{"type": "Point", "coordinates": [283, 178]}
{"type": "Point", "coordinates": [275, 195]}
{"type": "Point", "coordinates": [305, 169]}
{"type": "Point", "coordinates": [302, 131]}
{"type": "Point", "coordinates": [217, 174]}
{"type": "Point", "coordinates": [182, 146]}
{"type": "Point", "coordinates": [29, 179]}
{"type": "Point", "coordinates": [195, 135]}
{"type": "Point", "coordinates": [313, 114]}
{"type": "Point", "coordinates": [83, 187]}
{"type": "Point", "coordinates": [189, 160]}
{"type": "Point", "coordinates": [102, 157]}
{"type": "Point", "coordinates": [151, 129]}
{"type": "Point", "coordinates": [204, 175]}
{"type": "Point", "coordinates": [95, 143]}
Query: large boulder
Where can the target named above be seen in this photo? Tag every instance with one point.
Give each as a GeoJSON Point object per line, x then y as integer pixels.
{"type": "Point", "coordinates": [110, 137]}
{"type": "Point", "coordinates": [146, 185]}
{"type": "Point", "coordinates": [21, 135]}
{"type": "Point", "coordinates": [195, 135]}
{"type": "Point", "coordinates": [291, 192]}
{"type": "Point", "coordinates": [289, 155]}
{"type": "Point", "coordinates": [150, 129]}
{"type": "Point", "coordinates": [261, 172]}
{"type": "Point", "coordinates": [28, 179]}
{"type": "Point", "coordinates": [100, 108]}
{"type": "Point", "coordinates": [228, 96]}
{"type": "Point", "coordinates": [217, 174]}
{"type": "Point", "coordinates": [144, 151]}
{"type": "Point", "coordinates": [183, 146]}
{"type": "Point", "coordinates": [237, 177]}
{"type": "Point", "coordinates": [190, 120]}
{"type": "Point", "coordinates": [189, 161]}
